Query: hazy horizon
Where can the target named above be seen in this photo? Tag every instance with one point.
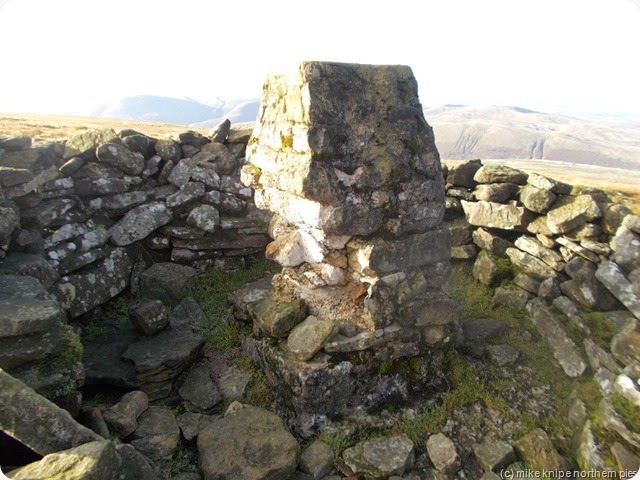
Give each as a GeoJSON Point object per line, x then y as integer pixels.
{"type": "Point", "coordinates": [573, 57]}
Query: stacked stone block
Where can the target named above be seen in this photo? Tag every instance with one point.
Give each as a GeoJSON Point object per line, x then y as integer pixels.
{"type": "Point", "coordinates": [343, 156]}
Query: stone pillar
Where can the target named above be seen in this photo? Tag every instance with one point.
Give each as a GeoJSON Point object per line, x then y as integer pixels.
{"type": "Point", "coordinates": [344, 157]}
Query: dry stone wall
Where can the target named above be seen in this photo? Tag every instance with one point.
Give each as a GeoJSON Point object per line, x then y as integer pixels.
{"type": "Point", "coordinates": [83, 220]}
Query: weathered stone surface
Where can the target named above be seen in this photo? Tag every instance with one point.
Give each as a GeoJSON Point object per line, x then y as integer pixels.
{"type": "Point", "coordinates": [140, 222]}
{"type": "Point", "coordinates": [490, 242]}
{"type": "Point", "coordinates": [587, 448]}
{"type": "Point", "coordinates": [192, 423]}
{"type": "Point", "coordinates": [81, 292]}
{"type": "Point", "coordinates": [25, 307]}
{"type": "Point", "coordinates": [14, 176]}
{"type": "Point", "coordinates": [167, 281]}
{"type": "Point", "coordinates": [500, 174]}
{"type": "Point", "coordinates": [199, 390]}
{"type": "Point", "coordinates": [35, 421]}
{"type": "Point", "coordinates": [626, 460]}
{"type": "Point", "coordinates": [21, 350]}
{"type": "Point", "coordinates": [121, 157]}
{"type": "Point", "coordinates": [123, 416]}
{"type": "Point", "coordinates": [477, 332]}
{"type": "Point", "coordinates": [84, 145]}
{"type": "Point", "coordinates": [571, 212]}
{"type": "Point", "coordinates": [613, 277]}
{"type": "Point", "coordinates": [217, 156]}
{"type": "Point", "coordinates": [162, 357]}
{"type": "Point", "coordinates": [443, 454]}
{"type": "Point", "coordinates": [276, 319]}
{"type": "Point", "coordinates": [17, 143]}
{"type": "Point", "coordinates": [381, 457]}
{"type": "Point", "coordinates": [233, 384]}
{"type": "Point", "coordinates": [309, 336]}
{"type": "Point", "coordinates": [9, 221]}
{"type": "Point", "coordinates": [510, 297]}
{"type": "Point", "coordinates": [46, 214]}
{"type": "Point", "coordinates": [317, 459]}
{"type": "Point", "coordinates": [204, 217]}
{"type": "Point", "coordinates": [168, 150]}
{"type": "Point", "coordinates": [502, 355]}
{"type": "Point", "coordinates": [462, 175]}
{"type": "Point", "coordinates": [612, 421]}
{"type": "Point", "coordinates": [188, 312]}
{"type": "Point", "coordinates": [549, 289]}
{"type": "Point", "coordinates": [530, 265]}
{"type": "Point", "coordinates": [378, 256]}
{"type": "Point", "coordinates": [626, 245]}
{"type": "Point", "coordinates": [545, 183]}
{"type": "Point", "coordinates": [91, 417]}
{"type": "Point", "coordinates": [496, 192]}
{"type": "Point", "coordinates": [220, 131]}
{"type": "Point", "coordinates": [485, 269]}
{"type": "Point", "coordinates": [536, 449]}
{"type": "Point", "coordinates": [535, 248]}
{"type": "Point", "coordinates": [495, 215]}
{"type": "Point", "coordinates": [157, 434]}
{"type": "Point", "coordinates": [625, 345]}
{"type": "Point", "coordinates": [32, 265]}
{"type": "Point", "coordinates": [248, 443]}
{"type": "Point", "coordinates": [119, 202]}
{"type": "Point", "coordinates": [493, 455]}
{"type": "Point", "coordinates": [189, 192]}
{"type": "Point", "coordinates": [226, 203]}
{"type": "Point", "coordinates": [562, 347]}
{"type": "Point", "coordinates": [96, 460]}
{"type": "Point", "coordinates": [148, 316]}
{"type": "Point", "coordinates": [536, 199]}
{"type": "Point", "coordinates": [294, 248]}
{"type": "Point", "coordinates": [578, 249]}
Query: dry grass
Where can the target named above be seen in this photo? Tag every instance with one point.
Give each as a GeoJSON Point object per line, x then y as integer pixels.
{"type": "Point", "coordinates": [58, 127]}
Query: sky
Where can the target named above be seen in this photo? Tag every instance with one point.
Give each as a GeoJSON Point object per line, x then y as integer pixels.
{"type": "Point", "coordinates": [565, 56]}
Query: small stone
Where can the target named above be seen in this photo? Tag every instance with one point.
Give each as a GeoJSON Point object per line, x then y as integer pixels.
{"type": "Point", "coordinates": [220, 131]}
{"type": "Point", "coordinates": [443, 454]}
{"type": "Point", "coordinates": [276, 319]}
{"type": "Point", "coordinates": [204, 217]}
{"type": "Point", "coordinates": [490, 242]}
{"type": "Point", "coordinates": [139, 222]}
{"type": "Point", "coordinates": [496, 192]}
{"type": "Point", "coordinates": [149, 316]}
{"type": "Point", "coordinates": [123, 416]}
{"type": "Point", "coordinates": [189, 192]}
{"type": "Point", "coordinates": [500, 174]}
{"type": "Point", "coordinates": [493, 455]}
{"type": "Point", "coordinates": [511, 297]}
{"type": "Point", "coordinates": [536, 199]}
{"type": "Point", "coordinates": [317, 459]}
{"type": "Point", "coordinates": [168, 282]}
{"type": "Point", "coordinates": [233, 384]}
{"type": "Point", "coordinates": [121, 157]}
{"type": "Point", "coordinates": [503, 355]}
{"type": "Point", "coordinates": [485, 269]}
{"type": "Point", "coordinates": [168, 150]}
{"type": "Point", "coordinates": [462, 175]}
{"type": "Point", "coordinates": [381, 457]}
{"type": "Point", "coordinates": [309, 336]}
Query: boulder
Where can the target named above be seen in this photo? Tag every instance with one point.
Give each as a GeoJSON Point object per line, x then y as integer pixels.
{"type": "Point", "coordinates": [496, 215]}
{"type": "Point", "coordinates": [157, 434]}
{"type": "Point", "coordinates": [500, 174]}
{"type": "Point", "coordinates": [123, 416]}
{"type": "Point", "coordinates": [248, 443]}
{"type": "Point", "coordinates": [442, 453]}
{"type": "Point", "coordinates": [167, 281]}
{"type": "Point", "coordinates": [536, 449]}
{"type": "Point", "coordinates": [626, 245]}
{"type": "Point", "coordinates": [168, 150]}
{"type": "Point", "coordinates": [199, 391]}
{"type": "Point", "coordinates": [219, 133]}
{"type": "Point", "coordinates": [15, 144]}
{"type": "Point", "coordinates": [120, 157]}
{"type": "Point", "coordinates": [139, 222]}
{"type": "Point", "coordinates": [309, 336]}
{"type": "Point", "coordinates": [276, 319]}
{"type": "Point", "coordinates": [503, 355]}
{"type": "Point", "coordinates": [233, 384]}
{"type": "Point", "coordinates": [218, 156]}
{"type": "Point", "coordinates": [486, 270]}
{"type": "Point", "coordinates": [380, 457]}
{"type": "Point", "coordinates": [562, 347]}
{"type": "Point", "coordinates": [35, 421]}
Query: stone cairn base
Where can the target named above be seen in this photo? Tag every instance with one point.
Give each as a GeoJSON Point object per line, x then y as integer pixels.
{"type": "Point", "coordinates": [343, 156]}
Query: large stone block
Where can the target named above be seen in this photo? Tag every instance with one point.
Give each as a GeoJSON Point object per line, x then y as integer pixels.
{"type": "Point", "coordinates": [496, 215]}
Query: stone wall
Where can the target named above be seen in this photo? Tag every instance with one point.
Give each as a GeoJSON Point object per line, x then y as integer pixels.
{"type": "Point", "coordinates": [576, 251]}
{"type": "Point", "coordinates": [83, 220]}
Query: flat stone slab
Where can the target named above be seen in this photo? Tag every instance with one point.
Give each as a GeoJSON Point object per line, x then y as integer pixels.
{"type": "Point", "coordinates": [35, 421]}
{"type": "Point", "coordinates": [25, 307]}
{"type": "Point", "coordinates": [562, 347]}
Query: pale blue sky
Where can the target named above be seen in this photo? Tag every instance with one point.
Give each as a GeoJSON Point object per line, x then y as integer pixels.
{"type": "Point", "coordinates": [67, 56]}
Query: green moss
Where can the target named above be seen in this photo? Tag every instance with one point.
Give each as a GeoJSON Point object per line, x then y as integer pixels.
{"type": "Point", "coordinates": [415, 144]}
{"type": "Point", "coordinates": [629, 412]}
{"type": "Point", "coordinates": [70, 356]}
{"type": "Point", "coordinates": [602, 328]}
{"type": "Point", "coordinates": [338, 442]}
{"type": "Point", "coordinates": [286, 140]}
{"type": "Point", "coordinates": [507, 271]}
{"type": "Point", "coordinates": [259, 393]}
{"type": "Point", "coordinates": [403, 366]}
{"type": "Point", "coordinates": [212, 292]}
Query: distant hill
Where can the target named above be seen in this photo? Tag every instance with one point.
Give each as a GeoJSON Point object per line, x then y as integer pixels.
{"type": "Point", "coordinates": [464, 132]}
{"type": "Point", "coordinates": [180, 111]}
